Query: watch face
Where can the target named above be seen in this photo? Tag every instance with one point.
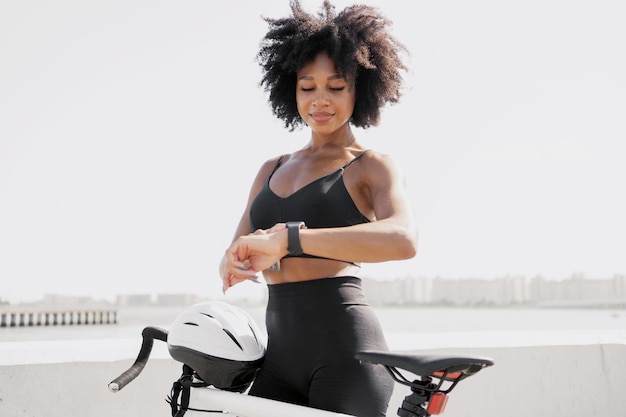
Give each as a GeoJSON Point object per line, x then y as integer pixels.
{"type": "Point", "coordinates": [293, 238]}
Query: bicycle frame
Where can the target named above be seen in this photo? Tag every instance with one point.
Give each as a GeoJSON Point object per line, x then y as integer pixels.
{"type": "Point", "coordinates": [436, 375]}
{"type": "Point", "coordinates": [242, 405]}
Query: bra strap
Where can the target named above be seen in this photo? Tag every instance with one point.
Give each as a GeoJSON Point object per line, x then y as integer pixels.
{"type": "Point", "coordinates": [354, 159]}
{"type": "Point", "coordinates": [280, 160]}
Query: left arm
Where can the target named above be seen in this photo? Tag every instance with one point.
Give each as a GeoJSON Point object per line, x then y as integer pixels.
{"type": "Point", "coordinates": [392, 235]}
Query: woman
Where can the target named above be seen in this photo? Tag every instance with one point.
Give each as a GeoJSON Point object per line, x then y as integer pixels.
{"type": "Point", "coordinates": [315, 214]}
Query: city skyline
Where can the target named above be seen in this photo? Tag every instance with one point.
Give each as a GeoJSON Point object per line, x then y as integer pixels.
{"type": "Point", "coordinates": [508, 291]}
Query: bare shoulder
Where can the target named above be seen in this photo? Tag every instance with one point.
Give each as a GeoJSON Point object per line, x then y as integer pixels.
{"type": "Point", "coordinates": [371, 156]}
{"type": "Point", "coordinates": [263, 174]}
{"type": "Point", "coordinates": [268, 166]}
{"type": "Point", "coordinates": [379, 165]}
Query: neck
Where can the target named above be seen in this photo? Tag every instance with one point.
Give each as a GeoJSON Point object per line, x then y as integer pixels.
{"type": "Point", "coordinates": [342, 138]}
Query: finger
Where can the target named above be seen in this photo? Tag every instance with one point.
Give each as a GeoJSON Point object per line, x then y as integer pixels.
{"type": "Point", "coordinates": [254, 278]}
{"type": "Point", "coordinates": [243, 272]}
{"type": "Point", "coordinates": [275, 267]}
{"type": "Point", "coordinates": [233, 261]}
{"type": "Point", "coordinates": [249, 274]}
{"type": "Point", "coordinates": [226, 283]}
{"type": "Point", "coordinates": [277, 227]}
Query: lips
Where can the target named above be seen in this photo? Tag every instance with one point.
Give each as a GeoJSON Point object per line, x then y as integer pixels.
{"type": "Point", "coordinates": [321, 117]}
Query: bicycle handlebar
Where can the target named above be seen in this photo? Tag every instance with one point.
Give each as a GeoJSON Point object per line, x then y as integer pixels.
{"type": "Point", "coordinates": [148, 334]}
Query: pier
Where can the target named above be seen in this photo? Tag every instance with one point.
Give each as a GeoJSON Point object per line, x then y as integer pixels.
{"type": "Point", "coordinates": [29, 318]}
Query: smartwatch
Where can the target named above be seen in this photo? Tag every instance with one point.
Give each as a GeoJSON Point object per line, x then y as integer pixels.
{"type": "Point", "coordinates": [293, 238]}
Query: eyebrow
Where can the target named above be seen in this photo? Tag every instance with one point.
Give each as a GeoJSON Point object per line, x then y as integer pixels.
{"type": "Point", "coordinates": [332, 77]}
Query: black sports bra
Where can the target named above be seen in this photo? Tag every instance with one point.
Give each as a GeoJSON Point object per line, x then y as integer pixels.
{"type": "Point", "coordinates": [322, 203]}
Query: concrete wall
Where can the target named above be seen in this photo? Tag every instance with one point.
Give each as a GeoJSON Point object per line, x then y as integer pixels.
{"type": "Point", "coordinates": [541, 381]}
{"type": "Point", "coordinates": [552, 381]}
{"type": "Point", "coordinates": [80, 389]}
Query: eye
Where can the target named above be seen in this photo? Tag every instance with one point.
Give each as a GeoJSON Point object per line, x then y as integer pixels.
{"type": "Point", "coordinates": [306, 89]}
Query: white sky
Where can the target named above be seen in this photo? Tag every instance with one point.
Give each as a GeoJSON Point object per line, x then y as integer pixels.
{"type": "Point", "coordinates": [130, 132]}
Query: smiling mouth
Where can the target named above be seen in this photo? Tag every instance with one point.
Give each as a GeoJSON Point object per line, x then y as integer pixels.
{"type": "Point", "coordinates": [321, 116]}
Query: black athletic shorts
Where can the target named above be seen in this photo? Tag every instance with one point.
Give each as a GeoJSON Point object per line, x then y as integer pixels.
{"type": "Point", "coordinates": [314, 329]}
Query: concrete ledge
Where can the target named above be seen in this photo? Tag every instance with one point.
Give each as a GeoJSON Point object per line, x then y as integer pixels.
{"type": "Point", "coordinates": [79, 389]}
{"type": "Point", "coordinates": [65, 351]}
{"type": "Point", "coordinates": [108, 350]}
{"type": "Point", "coordinates": [549, 380]}
{"type": "Point", "coordinates": [503, 339]}
{"type": "Point", "coordinates": [540, 381]}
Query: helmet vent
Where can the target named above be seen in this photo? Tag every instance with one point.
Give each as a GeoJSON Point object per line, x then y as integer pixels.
{"type": "Point", "coordinates": [208, 315]}
{"type": "Point", "coordinates": [253, 333]}
{"type": "Point", "coordinates": [233, 338]}
{"type": "Point", "coordinates": [188, 323]}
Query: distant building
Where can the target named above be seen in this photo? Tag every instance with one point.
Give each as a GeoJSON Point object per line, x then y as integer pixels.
{"type": "Point", "coordinates": [474, 291]}
{"type": "Point", "coordinates": [398, 291]}
{"type": "Point", "coordinates": [576, 291]}
{"type": "Point", "coordinates": [56, 300]}
{"type": "Point", "coordinates": [129, 300]}
{"type": "Point", "coordinates": [178, 299]}
{"type": "Point", "coordinates": [505, 291]}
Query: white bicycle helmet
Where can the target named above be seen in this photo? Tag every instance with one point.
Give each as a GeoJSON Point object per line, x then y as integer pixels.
{"type": "Point", "coordinates": [220, 342]}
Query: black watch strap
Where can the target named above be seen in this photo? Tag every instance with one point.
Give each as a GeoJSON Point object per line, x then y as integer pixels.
{"type": "Point", "coordinates": [293, 238]}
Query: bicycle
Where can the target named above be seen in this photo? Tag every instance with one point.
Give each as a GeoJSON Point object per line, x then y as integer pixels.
{"type": "Point", "coordinates": [436, 376]}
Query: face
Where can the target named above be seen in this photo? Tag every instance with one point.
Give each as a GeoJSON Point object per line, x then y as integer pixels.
{"type": "Point", "coordinates": [325, 99]}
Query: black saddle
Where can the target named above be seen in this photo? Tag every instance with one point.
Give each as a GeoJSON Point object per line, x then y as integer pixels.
{"type": "Point", "coordinates": [449, 367]}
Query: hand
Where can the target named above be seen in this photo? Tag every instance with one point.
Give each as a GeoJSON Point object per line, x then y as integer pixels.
{"type": "Point", "coordinates": [248, 255]}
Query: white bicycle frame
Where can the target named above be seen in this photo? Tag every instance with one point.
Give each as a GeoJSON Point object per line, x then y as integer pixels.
{"type": "Point", "coordinates": [229, 403]}
{"type": "Point", "coordinates": [203, 400]}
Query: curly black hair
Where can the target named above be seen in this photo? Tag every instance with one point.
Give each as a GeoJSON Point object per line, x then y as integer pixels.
{"type": "Point", "coordinates": [358, 42]}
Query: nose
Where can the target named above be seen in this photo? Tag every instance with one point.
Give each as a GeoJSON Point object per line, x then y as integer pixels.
{"type": "Point", "coordinates": [321, 98]}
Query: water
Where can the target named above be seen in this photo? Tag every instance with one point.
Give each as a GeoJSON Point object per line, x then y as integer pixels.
{"type": "Point", "coordinates": [395, 321]}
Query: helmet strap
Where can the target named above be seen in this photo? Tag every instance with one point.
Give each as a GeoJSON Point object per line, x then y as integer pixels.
{"type": "Point", "coordinates": [182, 389]}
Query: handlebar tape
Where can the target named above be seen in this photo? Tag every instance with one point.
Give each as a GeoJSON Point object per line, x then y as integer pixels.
{"type": "Point", "coordinates": [148, 334]}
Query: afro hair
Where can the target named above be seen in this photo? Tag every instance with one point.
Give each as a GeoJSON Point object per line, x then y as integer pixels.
{"type": "Point", "coordinates": [357, 40]}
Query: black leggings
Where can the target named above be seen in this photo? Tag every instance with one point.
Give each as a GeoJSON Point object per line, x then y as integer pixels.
{"type": "Point", "coordinates": [315, 328]}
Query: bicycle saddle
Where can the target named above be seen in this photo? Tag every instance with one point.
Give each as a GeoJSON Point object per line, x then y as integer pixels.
{"type": "Point", "coordinates": [447, 367]}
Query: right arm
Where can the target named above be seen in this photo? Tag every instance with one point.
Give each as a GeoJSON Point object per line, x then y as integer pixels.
{"type": "Point", "coordinates": [227, 268]}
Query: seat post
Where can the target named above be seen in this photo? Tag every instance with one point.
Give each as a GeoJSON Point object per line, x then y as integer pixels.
{"type": "Point", "coordinates": [413, 406]}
